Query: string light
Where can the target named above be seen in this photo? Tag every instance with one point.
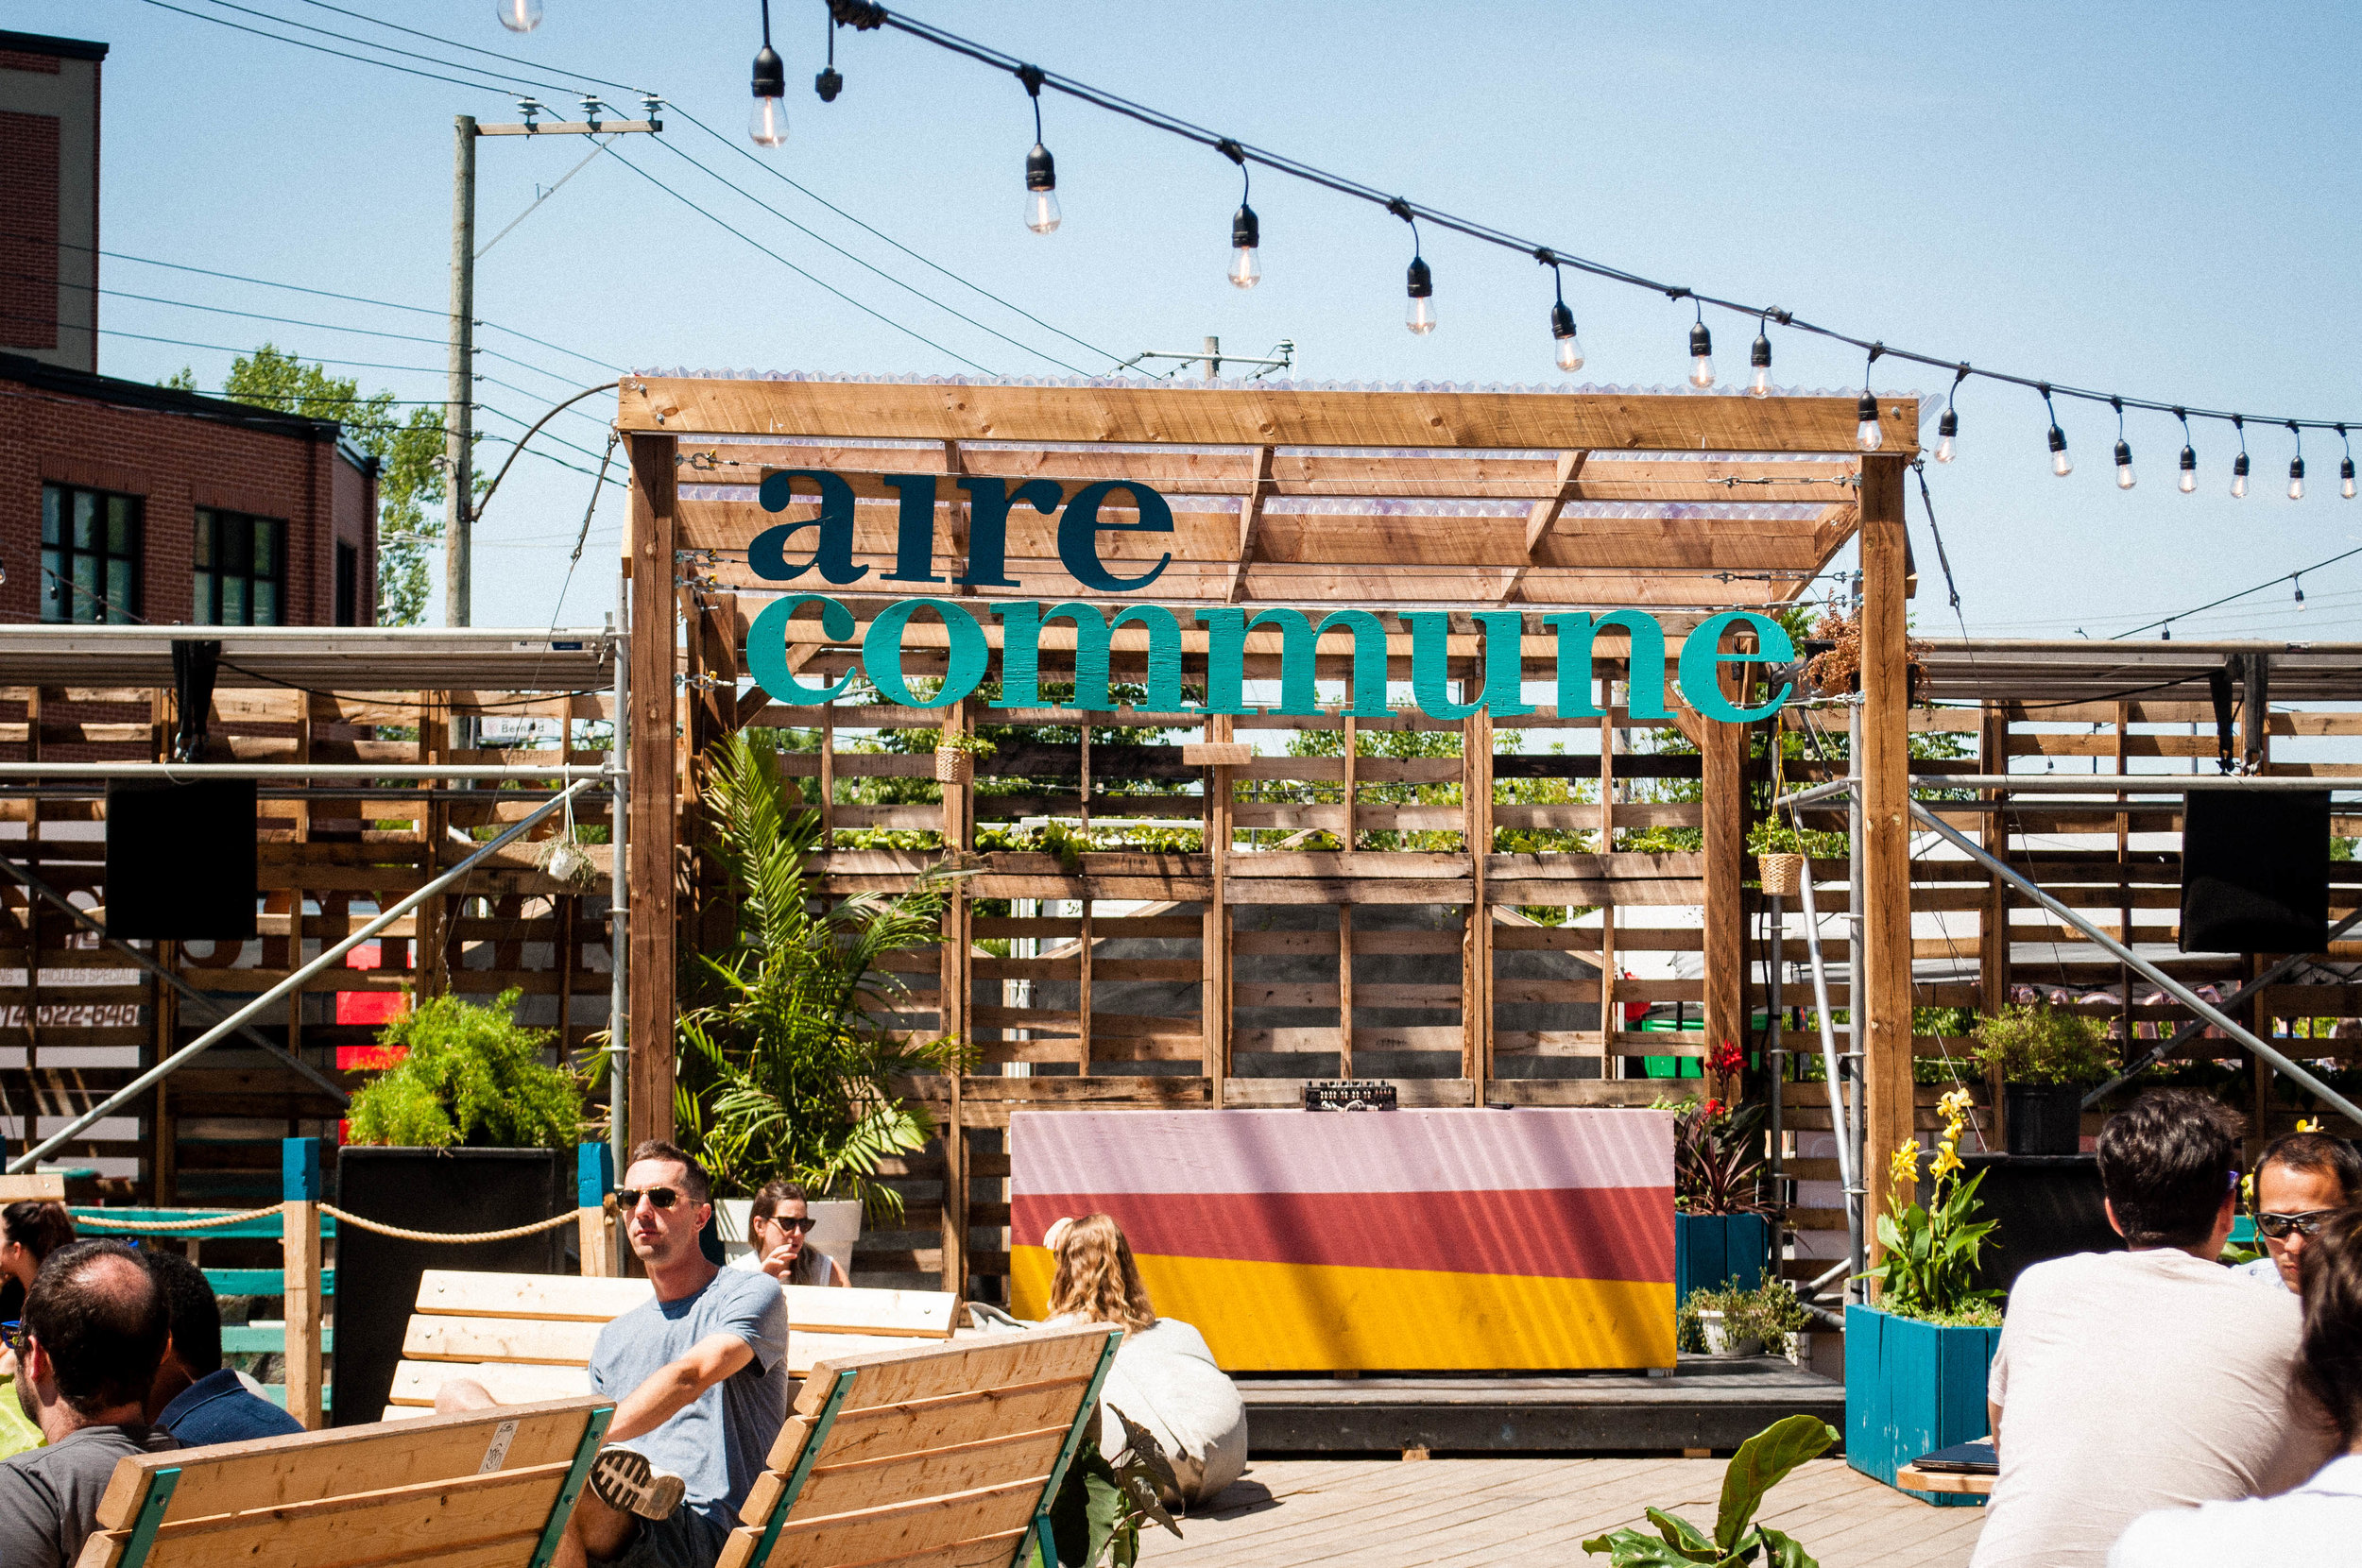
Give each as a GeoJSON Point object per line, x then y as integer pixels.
{"type": "Point", "coordinates": [518, 16]}
{"type": "Point", "coordinates": [2296, 465]}
{"type": "Point", "coordinates": [767, 125]}
{"type": "Point", "coordinates": [1566, 346]}
{"type": "Point", "coordinates": [2298, 580]}
{"type": "Point", "coordinates": [829, 83]}
{"type": "Point", "coordinates": [1041, 170]}
{"type": "Point", "coordinates": [2125, 477]}
{"type": "Point", "coordinates": [2188, 481]}
{"type": "Point", "coordinates": [1949, 425]}
{"type": "Point", "coordinates": [1867, 434]}
{"type": "Point", "coordinates": [1246, 230]}
{"type": "Point", "coordinates": [2345, 465]}
{"type": "Point", "coordinates": [1701, 353]}
{"type": "Point", "coordinates": [1760, 359]}
{"type": "Point", "coordinates": [1418, 282]}
{"type": "Point", "coordinates": [2060, 463]}
{"type": "Point", "coordinates": [2238, 463]}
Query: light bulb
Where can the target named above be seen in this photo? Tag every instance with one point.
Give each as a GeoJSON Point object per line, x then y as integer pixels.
{"type": "Point", "coordinates": [1701, 357]}
{"type": "Point", "coordinates": [1866, 432]}
{"type": "Point", "coordinates": [1568, 346]}
{"type": "Point", "coordinates": [1041, 191]}
{"type": "Point", "coordinates": [2345, 479]}
{"type": "Point", "coordinates": [1246, 234]}
{"type": "Point", "coordinates": [2190, 471]}
{"type": "Point", "coordinates": [2060, 464]}
{"type": "Point", "coordinates": [518, 16]}
{"type": "Point", "coordinates": [767, 127]}
{"type": "Point", "coordinates": [2125, 478]}
{"type": "Point", "coordinates": [2300, 599]}
{"type": "Point", "coordinates": [1759, 358]}
{"type": "Point", "coordinates": [1419, 284]}
{"type": "Point", "coordinates": [1948, 427]}
{"type": "Point", "coordinates": [2296, 478]}
{"type": "Point", "coordinates": [2238, 477]}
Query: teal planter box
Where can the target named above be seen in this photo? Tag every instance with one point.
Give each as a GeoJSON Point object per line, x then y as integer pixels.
{"type": "Point", "coordinates": [1911, 1388]}
{"type": "Point", "coordinates": [1711, 1251]}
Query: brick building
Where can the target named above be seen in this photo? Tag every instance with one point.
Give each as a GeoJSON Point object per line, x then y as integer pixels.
{"type": "Point", "coordinates": [49, 198]}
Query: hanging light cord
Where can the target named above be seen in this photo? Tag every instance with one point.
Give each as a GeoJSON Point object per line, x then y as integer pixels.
{"type": "Point", "coordinates": [863, 16]}
{"type": "Point", "coordinates": [2216, 604]}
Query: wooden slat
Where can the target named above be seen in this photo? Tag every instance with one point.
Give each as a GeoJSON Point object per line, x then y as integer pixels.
{"type": "Point", "coordinates": [468, 1293]}
{"type": "Point", "coordinates": [508, 1382]}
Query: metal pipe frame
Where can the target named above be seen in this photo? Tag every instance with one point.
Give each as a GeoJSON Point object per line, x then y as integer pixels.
{"type": "Point", "coordinates": [2084, 784]}
{"type": "Point", "coordinates": [1840, 1126]}
{"type": "Point", "coordinates": [618, 899]}
{"type": "Point", "coordinates": [189, 1053]}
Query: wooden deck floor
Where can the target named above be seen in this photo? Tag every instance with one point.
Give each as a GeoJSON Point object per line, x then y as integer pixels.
{"type": "Point", "coordinates": [1477, 1513]}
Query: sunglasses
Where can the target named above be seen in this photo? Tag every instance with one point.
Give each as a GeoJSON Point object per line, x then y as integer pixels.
{"type": "Point", "coordinates": [2278, 1226]}
{"type": "Point", "coordinates": [663, 1198]}
{"type": "Point", "coordinates": [784, 1223]}
{"type": "Point", "coordinates": [12, 1336]}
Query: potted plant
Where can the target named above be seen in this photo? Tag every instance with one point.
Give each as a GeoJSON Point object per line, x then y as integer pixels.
{"type": "Point", "coordinates": [1762, 1463]}
{"type": "Point", "coordinates": [1780, 860]}
{"type": "Point", "coordinates": [2047, 1060]}
{"type": "Point", "coordinates": [1722, 1198]}
{"type": "Point", "coordinates": [467, 1129]}
{"type": "Point", "coordinates": [1735, 1322]}
{"type": "Point", "coordinates": [955, 758]}
{"type": "Point", "coordinates": [1915, 1364]}
{"type": "Point", "coordinates": [790, 1070]}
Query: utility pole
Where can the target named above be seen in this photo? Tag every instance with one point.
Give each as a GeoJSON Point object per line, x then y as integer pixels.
{"type": "Point", "coordinates": [459, 410]}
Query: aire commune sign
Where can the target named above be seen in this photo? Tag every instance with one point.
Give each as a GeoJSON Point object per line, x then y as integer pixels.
{"type": "Point", "coordinates": [989, 499]}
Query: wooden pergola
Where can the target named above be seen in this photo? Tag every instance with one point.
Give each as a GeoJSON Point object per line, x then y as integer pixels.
{"type": "Point", "coordinates": [1319, 498]}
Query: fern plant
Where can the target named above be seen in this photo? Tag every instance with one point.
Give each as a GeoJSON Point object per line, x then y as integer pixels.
{"type": "Point", "coordinates": [468, 1070]}
{"type": "Point", "coordinates": [788, 1071]}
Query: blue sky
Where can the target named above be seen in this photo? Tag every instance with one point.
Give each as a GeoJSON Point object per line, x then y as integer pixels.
{"type": "Point", "coordinates": [2152, 199]}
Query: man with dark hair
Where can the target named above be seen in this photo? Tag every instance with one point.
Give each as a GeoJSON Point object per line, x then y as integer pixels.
{"type": "Point", "coordinates": [2301, 1180]}
{"type": "Point", "coordinates": [194, 1397]}
{"type": "Point", "coordinates": [2149, 1378]}
{"type": "Point", "coordinates": [94, 1329]}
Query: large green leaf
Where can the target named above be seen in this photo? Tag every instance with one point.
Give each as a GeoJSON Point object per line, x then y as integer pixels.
{"type": "Point", "coordinates": [1631, 1549]}
{"type": "Point", "coordinates": [1760, 1465]}
{"type": "Point", "coordinates": [1684, 1537]}
{"type": "Point", "coordinates": [1782, 1551]}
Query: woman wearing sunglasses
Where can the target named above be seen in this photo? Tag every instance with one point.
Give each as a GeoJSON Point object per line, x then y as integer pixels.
{"type": "Point", "coordinates": [780, 1224]}
{"type": "Point", "coordinates": [2301, 1180]}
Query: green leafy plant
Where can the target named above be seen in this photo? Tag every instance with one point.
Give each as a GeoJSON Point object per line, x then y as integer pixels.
{"type": "Point", "coordinates": [2030, 1043]}
{"type": "Point", "coordinates": [1100, 1507]}
{"type": "Point", "coordinates": [1930, 1266]}
{"type": "Point", "coordinates": [1718, 1159]}
{"type": "Point", "coordinates": [790, 1072]}
{"type": "Point", "coordinates": [1762, 1463]}
{"type": "Point", "coordinates": [975, 746]}
{"type": "Point", "coordinates": [1769, 1313]}
{"type": "Point", "coordinates": [471, 1073]}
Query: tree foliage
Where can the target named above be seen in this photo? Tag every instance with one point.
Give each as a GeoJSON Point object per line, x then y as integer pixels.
{"type": "Point", "coordinates": [468, 1071]}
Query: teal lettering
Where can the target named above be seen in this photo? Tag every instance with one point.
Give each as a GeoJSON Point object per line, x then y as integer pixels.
{"type": "Point", "coordinates": [964, 659]}
{"type": "Point", "coordinates": [1300, 644]}
{"type": "Point", "coordinates": [1702, 657]}
{"type": "Point", "coordinates": [1645, 688]}
{"type": "Point", "coordinates": [766, 649]}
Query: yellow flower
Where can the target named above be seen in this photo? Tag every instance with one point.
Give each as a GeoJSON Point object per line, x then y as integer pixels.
{"type": "Point", "coordinates": [1904, 1167]}
{"type": "Point", "coordinates": [1947, 1158]}
{"type": "Point", "coordinates": [1957, 1103]}
{"type": "Point", "coordinates": [2311, 1124]}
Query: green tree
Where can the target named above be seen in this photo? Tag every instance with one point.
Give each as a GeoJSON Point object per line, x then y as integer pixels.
{"type": "Point", "coordinates": [409, 454]}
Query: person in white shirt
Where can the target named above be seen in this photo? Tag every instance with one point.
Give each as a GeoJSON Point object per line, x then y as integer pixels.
{"type": "Point", "coordinates": [2322, 1520]}
{"type": "Point", "coordinates": [2301, 1180]}
{"type": "Point", "coordinates": [2149, 1378]}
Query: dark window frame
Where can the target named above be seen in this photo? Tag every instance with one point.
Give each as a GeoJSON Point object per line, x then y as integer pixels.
{"type": "Point", "coordinates": [111, 596]}
{"type": "Point", "coordinates": [220, 596]}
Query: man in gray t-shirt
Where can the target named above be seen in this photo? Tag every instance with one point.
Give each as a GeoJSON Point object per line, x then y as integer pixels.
{"type": "Point", "coordinates": [699, 1379]}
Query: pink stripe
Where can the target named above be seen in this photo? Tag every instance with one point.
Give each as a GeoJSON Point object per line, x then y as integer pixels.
{"type": "Point", "coordinates": [1244, 1152]}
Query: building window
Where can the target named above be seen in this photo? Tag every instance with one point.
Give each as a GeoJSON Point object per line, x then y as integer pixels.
{"type": "Point", "coordinates": [241, 568]}
{"type": "Point", "coordinates": [348, 585]}
{"type": "Point", "coordinates": [90, 554]}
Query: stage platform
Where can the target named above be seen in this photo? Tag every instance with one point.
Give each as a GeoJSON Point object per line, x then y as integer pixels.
{"type": "Point", "coordinates": [1706, 1403]}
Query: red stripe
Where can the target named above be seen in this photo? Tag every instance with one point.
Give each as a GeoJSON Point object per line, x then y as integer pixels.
{"type": "Point", "coordinates": [1565, 1233]}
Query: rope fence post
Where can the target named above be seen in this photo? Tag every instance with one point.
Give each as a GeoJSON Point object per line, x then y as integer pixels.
{"type": "Point", "coordinates": [595, 1178]}
{"type": "Point", "coordinates": [299, 1212]}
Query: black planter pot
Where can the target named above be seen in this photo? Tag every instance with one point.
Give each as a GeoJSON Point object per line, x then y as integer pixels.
{"type": "Point", "coordinates": [2044, 1206]}
{"type": "Point", "coordinates": [2043, 1119]}
{"type": "Point", "coordinates": [441, 1190]}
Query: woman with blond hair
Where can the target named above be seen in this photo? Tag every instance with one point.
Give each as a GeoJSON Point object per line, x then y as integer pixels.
{"type": "Point", "coordinates": [1164, 1377]}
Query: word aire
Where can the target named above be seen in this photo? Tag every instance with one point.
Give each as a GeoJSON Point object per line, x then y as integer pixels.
{"type": "Point", "coordinates": [968, 652]}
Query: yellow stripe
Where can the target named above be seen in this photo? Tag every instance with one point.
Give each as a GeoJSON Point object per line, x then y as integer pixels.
{"type": "Point", "coordinates": [1293, 1317]}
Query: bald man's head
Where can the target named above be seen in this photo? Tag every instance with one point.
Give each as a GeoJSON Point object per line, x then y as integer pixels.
{"type": "Point", "coordinates": [101, 1320]}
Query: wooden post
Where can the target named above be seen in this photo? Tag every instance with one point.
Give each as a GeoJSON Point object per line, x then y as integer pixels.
{"type": "Point", "coordinates": [299, 1219]}
{"type": "Point", "coordinates": [1214, 946]}
{"type": "Point", "coordinates": [1993, 970]}
{"type": "Point", "coordinates": [594, 1178]}
{"type": "Point", "coordinates": [1611, 1016]}
{"type": "Point", "coordinates": [1883, 992]}
{"type": "Point", "coordinates": [953, 982]}
{"type": "Point", "coordinates": [653, 786]}
{"type": "Point", "coordinates": [1476, 994]}
{"type": "Point", "coordinates": [1722, 767]}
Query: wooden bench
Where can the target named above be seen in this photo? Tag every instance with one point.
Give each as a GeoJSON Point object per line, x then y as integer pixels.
{"type": "Point", "coordinates": [528, 1336]}
{"type": "Point", "coordinates": [942, 1456]}
{"type": "Point", "coordinates": [488, 1488]}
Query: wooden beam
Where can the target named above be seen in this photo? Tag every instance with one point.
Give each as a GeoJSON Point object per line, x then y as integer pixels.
{"type": "Point", "coordinates": [1545, 514]}
{"type": "Point", "coordinates": [1886, 982]}
{"type": "Point", "coordinates": [1722, 749]}
{"type": "Point", "coordinates": [1214, 947]}
{"type": "Point", "coordinates": [654, 824]}
{"type": "Point", "coordinates": [1250, 524]}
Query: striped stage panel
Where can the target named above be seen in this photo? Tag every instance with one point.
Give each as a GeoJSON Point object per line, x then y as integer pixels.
{"type": "Point", "coordinates": [1372, 1241]}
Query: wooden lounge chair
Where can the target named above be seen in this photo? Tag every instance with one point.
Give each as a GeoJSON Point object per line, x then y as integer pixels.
{"type": "Point", "coordinates": [528, 1336]}
{"type": "Point", "coordinates": [946, 1456]}
{"type": "Point", "coordinates": [489, 1488]}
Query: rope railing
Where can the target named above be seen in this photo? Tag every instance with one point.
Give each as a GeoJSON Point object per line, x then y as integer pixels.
{"type": "Point", "coordinates": [399, 1233]}
{"type": "Point", "coordinates": [210, 1221]}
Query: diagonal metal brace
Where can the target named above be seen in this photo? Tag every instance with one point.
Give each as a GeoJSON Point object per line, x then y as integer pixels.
{"type": "Point", "coordinates": [34, 885]}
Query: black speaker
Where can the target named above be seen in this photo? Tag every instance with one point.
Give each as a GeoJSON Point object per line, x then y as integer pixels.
{"type": "Point", "coordinates": [2255, 871]}
{"type": "Point", "coordinates": [180, 860]}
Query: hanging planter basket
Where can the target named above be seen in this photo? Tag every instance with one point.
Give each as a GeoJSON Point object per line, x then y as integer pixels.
{"type": "Point", "coordinates": [955, 766]}
{"type": "Point", "coordinates": [1782, 874]}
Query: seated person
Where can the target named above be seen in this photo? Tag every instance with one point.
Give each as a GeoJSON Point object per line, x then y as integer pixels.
{"type": "Point", "coordinates": [700, 1377]}
{"type": "Point", "coordinates": [2301, 1180]}
{"type": "Point", "coordinates": [194, 1397]}
{"type": "Point", "coordinates": [30, 1230]}
{"type": "Point", "coordinates": [94, 1329]}
{"type": "Point", "coordinates": [1164, 1377]}
{"type": "Point", "coordinates": [2149, 1378]}
{"type": "Point", "coordinates": [780, 1224]}
{"type": "Point", "coordinates": [2322, 1520]}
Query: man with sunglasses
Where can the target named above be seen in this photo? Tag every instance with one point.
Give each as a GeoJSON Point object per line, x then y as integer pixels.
{"type": "Point", "coordinates": [699, 1379]}
{"type": "Point", "coordinates": [2301, 1180]}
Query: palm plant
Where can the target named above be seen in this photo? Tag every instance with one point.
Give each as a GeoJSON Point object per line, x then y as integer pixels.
{"type": "Point", "coordinates": [788, 1071]}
